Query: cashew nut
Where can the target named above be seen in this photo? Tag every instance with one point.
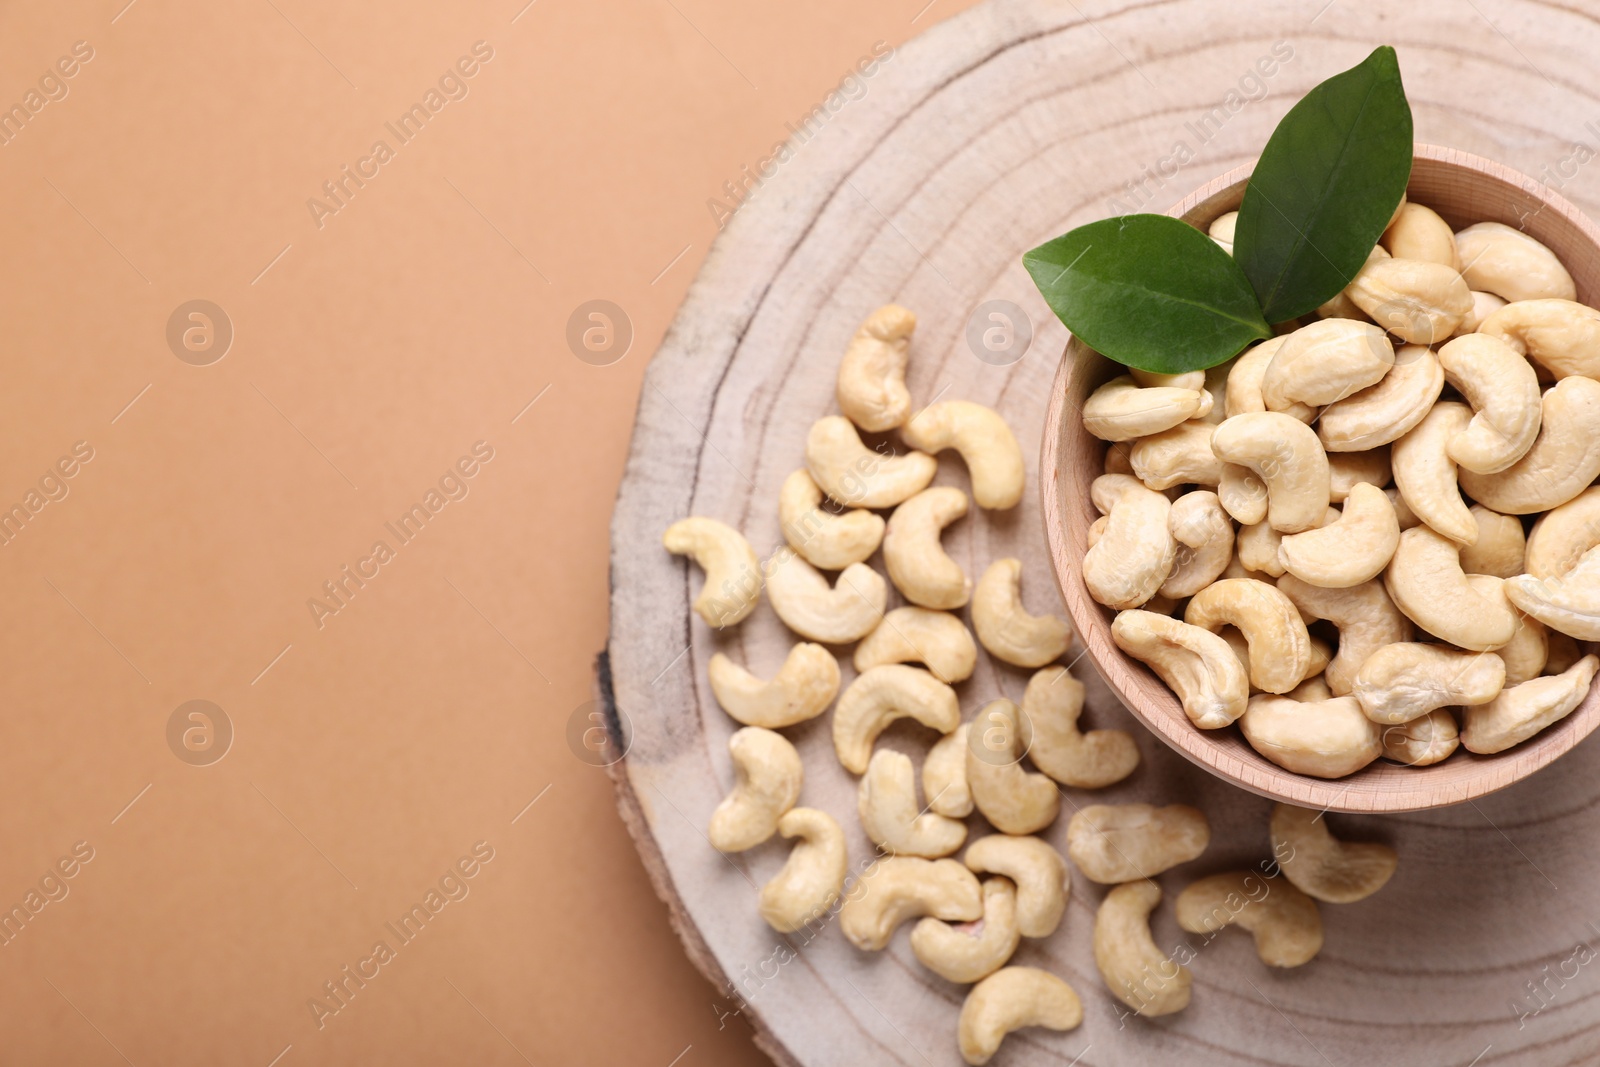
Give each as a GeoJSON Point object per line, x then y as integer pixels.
{"type": "Point", "coordinates": [1286, 454]}
{"type": "Point", "coordinates": [1568, 602]}
{"type": "Point", "coordinates": [1320, 865]}
{"type": "Point", "coordinates": [1325, 739]}
{"type": "Point", "coordinates": [1243, 494]}
{"type": "Point", "coordinates": [1285, 922]}
{"type": "Point", "coordinates": [944, 775]}
{"type": "Point", "coordinates": [1405, 681]}
{"type": "Point", "coordinates": [1346, 470]}
{"type": "Point", "coordinates": [872, 374]}
{"type": "Point", "coordinates": [1483, 305]}
{"type": "Point", "coordinates": [1122, 409]}
{"type": "Point", "coordinates": [767, 778]}
{"type": "Point", "coordinates": [1353, 550]}
{"type": "Point", "coordinates": [1051, 706]}
{"type": "Point", "coordinates": [880, 696]}
{"type": "Point", "coordinates": [1015, 801]}
{"type": "Point", "coordinates": [1037, 869]}
{"type": "Point", "coordinates": [835, 615]}
{"type": "Point", "coordinates": [891, 816]}
{"type": "Point", "coordinates": [1137, 973]}
{"type": "Point", "coordinates": [1523, 710]}
{"type": "Point", "coordinates": [1422, 742]}
{"type": "Point", "coordinates": [1501, 546]}
{"type": "Point", "coordinates": [857, 476]}
{"type": "Point", "coordinates": [1196, 664]}
{"type": "Point", "coordinates": [898, 888]}
{"type": "Point", "coordinates": [827, 541]}
{"type": "Point", "coordinates": [915, 559]}
{"type": "Point", "coordinates": [1426, 475]}
{"type": "Point", "coordinates": [733, 574]}
{"type": "Point", "coordinates": [936, 639]}
{"type": "Point", "coordinates": [986, 443]}
{"type": "Point", "coordinates": [812, 876]}
{"type": "Point", "coordinates": [1387, 411]}
{"type": "Point", "coordinates": [1280, 648]}
{"type": "Point", "coordinates": [1221, 230]}
{"type": "Point", "coordinates": [1326, 361]}
{"type": "Point", "coordinates": [1526, 654]}
{"type": "Point", "coordinates": [1363, 614]}
{"type": "Point", "coordinates": [1564, 459]}
{"type": "Point", "coordinates": [1418, 232]}
{"type": "Point", "coordinates": [1402, 510]}
{"type": "Point", "coordinates": [1004, 625]}
{"type": "Point", "coordinates": [1562, 535]}
{"type": "Point", "coordinates": [1243, 394]}
{"type": "Point", "coordinates": [1202, 529]}
{"type": "Point", "coordinates": [968, 952]}
{"type": "Point", "coordinates": [1113, 843]}
{"type": "Point", "coordinates": [1562, 336]}
{"type": "Point", "coordinates": [1508, 263]}
{"type": "Point", "coordinates": [802, 689]}
{"type": "Point", "coordinates": [1011, 999]}
{"type": "Point", "coordinates": [1503, 391]}
{"type": "Point", "coordinates": [1426, 582]}
{"type": "Point", "coordinates": [1179, 456]}
{"type": "Point", "coordinates": [1420, 302]}
{"type": "Point", "coordinates": [1130, 562]}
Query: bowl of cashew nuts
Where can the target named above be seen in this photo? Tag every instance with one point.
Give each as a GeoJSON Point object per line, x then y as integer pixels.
{"type": "Point", "coordinates": [1356, 566]}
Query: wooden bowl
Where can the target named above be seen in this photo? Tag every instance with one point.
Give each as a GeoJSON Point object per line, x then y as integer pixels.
{"type": "Point", "coordinates": [1464, 189]}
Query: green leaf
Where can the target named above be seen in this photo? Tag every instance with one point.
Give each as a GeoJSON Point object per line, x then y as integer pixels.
{"type": "Point", "coordinates": [1150, 292]}
{"type": "Point", "coordinates": [1325, 187]}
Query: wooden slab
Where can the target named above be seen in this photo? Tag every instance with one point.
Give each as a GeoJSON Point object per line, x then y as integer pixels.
{"type": "Point", "coordinates": [994, 131]}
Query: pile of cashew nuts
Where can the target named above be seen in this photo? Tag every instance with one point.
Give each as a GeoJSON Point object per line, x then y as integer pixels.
{"type": "Point", "coordinates": [1373, 523]}
{"type": "Point", "coordinates": [1011, 884]}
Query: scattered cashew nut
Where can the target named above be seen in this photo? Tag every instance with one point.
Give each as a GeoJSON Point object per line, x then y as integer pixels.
{"type": "Point", "coordinates": [936, 639]}
{"type": "Point", "coordinates": [802, 689]}
{"type": "Point", "coordinates": [872, 375]}
{"type": "Point", "coordinates": [733, 574]}
{"type": "Point", "coordinates": [1004, 626]}
{"type": "Point", "coordinates": [878, 697]}
{"type": "Point", "coordinates": [1038, 871]}
{"type": "Point", "coordinates": [767, 779]}
{"type": "Point", "coordinates": [1113, 843]}
{"type": "Point", "coordinates": [916, 561]}
{"type": "Point", "coordinates": [971, 951]}
{"type": "Point", "coordinates": [898, 888]}
{"type": "Point", "coordinates": [827, 541]}
{"type": "Point", "coordinates": [986, 443]}
{"type": "Point", "coordinates": [1051, 706]}
{"type": "Point", "coordinates": [1014, 801]}
{"type": "Point", "coordinates": [944, 775]}
{"type": "Point", "coordinates": [835, 615]}
{"type": "Point", "coordinates": [1133, 968]}
{"type": "Point", "coordinates": [857, 476]}
{"type": "Point", "coordinates": [1011, 999]}
{"type": "Point", "coordinates": [812, 876]}
{"type": "Point", "coordinates": [891, 816]}
{"type": "Point", "coordinates": [1285, 922]}
{"type": "Point", "coordinates": [1322, 866]}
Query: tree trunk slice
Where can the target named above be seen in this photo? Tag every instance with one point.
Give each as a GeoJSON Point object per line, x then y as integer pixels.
{"type": "Point", "coordinates": [990, 133]}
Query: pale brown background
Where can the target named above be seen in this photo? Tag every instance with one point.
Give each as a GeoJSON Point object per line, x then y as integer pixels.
{"type": "Point", "coordinates": [425, 316]}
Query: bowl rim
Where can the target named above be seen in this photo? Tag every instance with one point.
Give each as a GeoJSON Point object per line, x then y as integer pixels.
{"type": "Point", "coordinates": [1360, 792]}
